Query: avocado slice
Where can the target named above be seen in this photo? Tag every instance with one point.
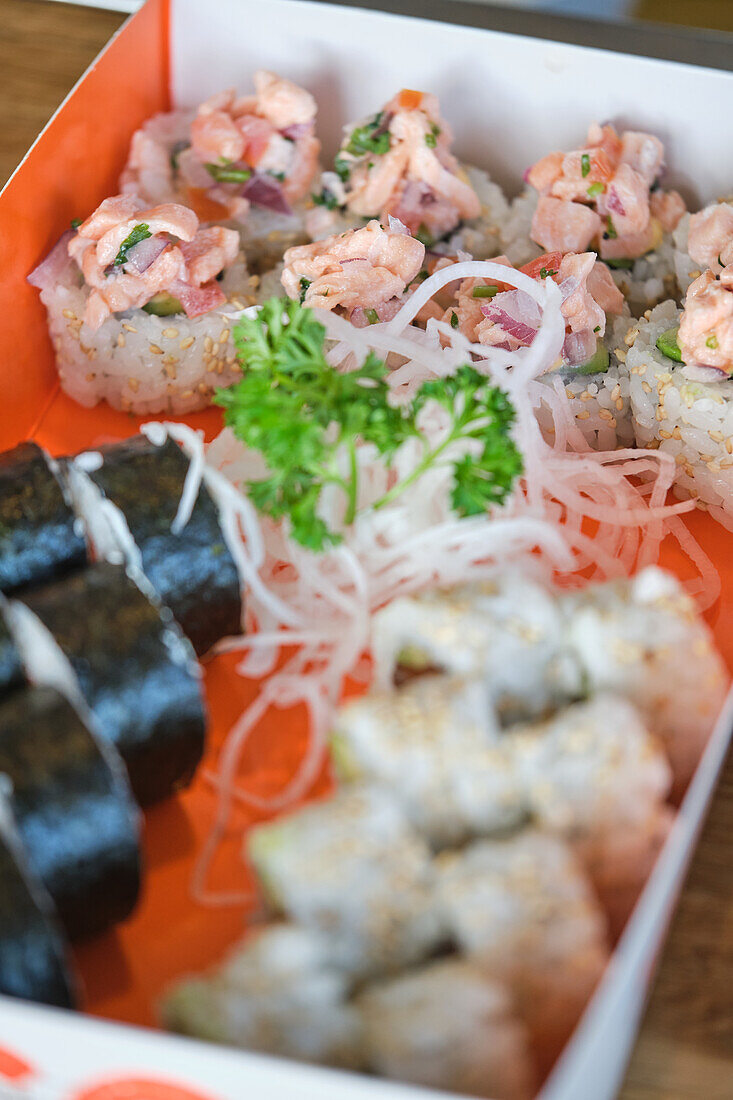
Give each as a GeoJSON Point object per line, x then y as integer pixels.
{"type": "Point", "coordinates": [598, 362]}
{"type": "Point", "coordinates": [163, 305]}
{"type": "Point", "coordinates": [667, 344]}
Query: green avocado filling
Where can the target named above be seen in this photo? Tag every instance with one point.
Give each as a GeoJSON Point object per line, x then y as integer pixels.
{"type": "Point", "coordinates": [163, 305]}
{"type": "Point", "coordinates": [598, 363]}
{"type": "Point", "coordinates": [667, 344]}
{"type": "Point", "coordinates": [620, 265]}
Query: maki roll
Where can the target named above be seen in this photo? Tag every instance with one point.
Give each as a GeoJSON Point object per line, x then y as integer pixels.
{"type": "Point", "coordinates": [522, 907]}
{"type": "Point", "coordinates": [508, 631]}
{"type": "Point", "coordinates": [130, 495]}
{"type": "Point", "coordinates": [245, 159]}
{"type": "Point", "coordinates": [12, 674]}
{"type": "Point", "coordinates": [34, 963]}
{"type": "Point", "coordinates": [101, 640]}
{"type": "Point", "coordinates": [71, 804]}
{"type": "Point", "coordinates": [40, 538]}
{"type": "Point", "coordinates": [140, 307]}
{"type": "Point", "coordinates": [436, 746]}
{"type": "Point", "coordinates": [644, 639]}
{"type": "Point", "coordinates": [352, 870]}
{"type": "Point", "coordinates": [277, 993]}
{"type": "Point", "coordinates": [447, 1026]}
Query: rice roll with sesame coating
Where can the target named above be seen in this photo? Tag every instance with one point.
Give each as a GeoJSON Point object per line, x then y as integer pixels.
{"type": "Point", "coordinates": [507, 630]}
{"type": "Point", "coordinates": [435, 744]}
{"type": "Point", "coordinates": [130, 494]}
{"type": "Point", "coordinates": [523, 908]}
{"type": "Point", "coordinates": [351, 868]}
{"type": "Point", "coordinates": [276, 993]}
{"type": "Point", "coordinates": [34, 962]}
{"type": "Point", "coordinates": [70, 801]}
{"type": "Point", "coordinates": [39, 535]}
{"type": "Point", "coordinates": [644, 639]}
{"type": "Point", "coordinates": [97, 637]}
{"type": "Point", "coordinates": [447, 1026]}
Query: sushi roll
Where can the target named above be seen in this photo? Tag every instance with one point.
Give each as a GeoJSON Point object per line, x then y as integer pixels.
{"type": "Point", "coordinates": [34, 961]}
{"type": "Point", "coordinates": [39, 535]}
{"type": "Point", "coordinates": [250, 160]}
{"type": "Point", "coordinates": [643, 639]}
{"type": "Point", "coordinates": [523, 908]}
{"type": "Point", "coordinates": [129, 495]}
{"type": "Point", "coordinates": [101, 641]}
{"type": "Point", "coordinates": [508, 630]}
{"type": "Point", "coordinates": [447, 1026]}
{"type": "Point", "coordinates": [140, 306]}
{"type": "Point", "coordinates": [398, 163]}
{"type": "Point", "coordinates": [700, 240]}
{"type": "Point", "coordinates": [12, 673]}
{"type": "Point", "coordinates": [69, 799]}
{"type": "Point", "coordinates": [276, 993]}
{"type": "Point", "coordinates": [605, 196]}
{"type": "Point", "coordinates": [353, 870]}
{"type": "Point", "coordinates": [436, 746]}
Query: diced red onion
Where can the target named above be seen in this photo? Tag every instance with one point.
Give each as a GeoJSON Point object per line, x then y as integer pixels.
{"type": "Point", "coordinates": [144, 253]}
{"type": "Point", "coordinates": [297, 130]}
{"type": "Point", "coordinates": [198, 299]}
{"type": "Point", "coordinates": [613, 202]}
{"type": "Point", "coordinates": [518, 329]}
{"type": "Point", "coordinates": [48, 272]}
{"type": "Point", "coordinates": [265, 191]}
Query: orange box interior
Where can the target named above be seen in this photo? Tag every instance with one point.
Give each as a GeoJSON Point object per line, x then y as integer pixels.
{"type": "Point", "coordinates": [73, 165]}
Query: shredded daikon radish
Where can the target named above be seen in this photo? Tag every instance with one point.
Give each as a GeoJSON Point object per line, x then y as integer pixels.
{"type": "Point", "coordinates": [574, 511]}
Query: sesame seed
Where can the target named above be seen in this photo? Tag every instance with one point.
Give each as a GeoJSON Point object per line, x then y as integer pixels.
{"type": "Point", "coordinates": [224, 336]}
{"type": "Point", "coordinates": [620, 355]}
{"type": "Point", "coordinates": [677, 434]}
{"type": "Point", "coordinates": [695, 274]}
{"type": "Point", "coordinates": [605, 414]}
{"type": "Point", "coordinates": [68, 314]}
{"type": "Point", "coordinates": [91, 376]}
{"type": "Point", "coordinates": [128, 328]}
{"type": "Point", "coordinates": [680, 459]}
{"type": "Point", "coordinates": [203, 388]}
{"type": "Point", "coordinates": [215, 348]}
{"type": "Point", "coordinates": [665, 434]}
{"type": "Point", "coordinates": [630, 337]}
{"type": "Point", "coordinates": [121, 341]}
{"type": "Point", "coordinates": [155, 349]}
{"type": "Point", "coordinates": [186, 343]}
{"type": "Point", "coordinates": [714, 467]}
{"type": "Point", "coordinates": [170, 370]}
{"type": "Point", "coordinates": [170, 358]}
{"type": "Point", "coordinates": [585, 396]}
{"type": "Point", "coordinates": [187, 393]}
{"type": "Point", "coordinates": [616, 392]}
{"type": "Point", "coordinates": [729, 444]}
{"type": "Point", "coordinates": [134, 384]}
{"type": "Point", "coordinates": [208, 343]}
{"type": "Point", "coordinates": [717, 436]}
{"type": "Point", "coordinates": [646, 387]}
{"type": "Point", "coordinates": [652, 445]}
{"type": "Point", "coordinates": [620, 404]}
{"type": "Point", "coordinates": [569, 393]}
{"type": "Point", "coordinates": [585, 415]}
{"type": "Point", "coordinates": [170, 333]}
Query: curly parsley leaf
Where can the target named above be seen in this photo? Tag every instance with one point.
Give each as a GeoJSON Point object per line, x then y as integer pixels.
{"type": "Point", "coordinates": [369, 138]}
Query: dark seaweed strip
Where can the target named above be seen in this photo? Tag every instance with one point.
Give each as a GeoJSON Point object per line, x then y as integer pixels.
{"type": "Point", "coordinates": [135, 670]}
{"type": "Point", "coordinates": [38, 540]}
{"type": "Point", "coordinates": [73, 810]}
{"type": "Point", "coordinates": [11, 668]}
{"type": "Point", "coordinates": [193, 571]}
{"type": "Point", "coordinates": [33, 962]}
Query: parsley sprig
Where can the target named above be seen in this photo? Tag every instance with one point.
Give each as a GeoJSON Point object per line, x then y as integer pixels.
{"type": "Point", "coordinates": [305, 417]}
{"type": "Point", "coordinates": [139, 233]}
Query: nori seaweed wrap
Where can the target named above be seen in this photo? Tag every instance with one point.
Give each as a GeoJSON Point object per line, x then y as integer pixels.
{"type": "Point", "coordinates": [33, 962]}
{"type": "Point", "coordinates": [135, 670]}
{"type": "Point", "coordinates": [40, 537]}
{"type": "Point", "coordinates": [192, 571]}
{"type": "Point", "coordinates": [73, 809]}
{"type": "Point", "coordinates": [11, 665]}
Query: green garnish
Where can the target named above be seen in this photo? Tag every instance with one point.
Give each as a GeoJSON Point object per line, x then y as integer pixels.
{"type": "Point", "coordinates": [545, 271]}
{"type": "Point", "coordinates": [454, 319]}
{"type": "Point", "coordinates": [302, 415]}
{"type": "Point", "coordinates": [667, 344]}
{"type": "Point", "coordinates": [620, 265]}
{"type": "Point", "coordinates": [75, 223]}
{"type": "Point", "coordinates": [484, 292]}
{"type": "Point", "coordinates": [598, 362]}
{"type": "Point", "coordinates": [712, 342]}
{"type": "Point", "coordinates": [363, 139]}
{"type": "Point", "coordinates": [594, 190]}
{"type": "Point", "coordinates": [326, 198]}
{"type": "Point", "coordinates": [342, 168]}
{"type": "Point", "coordinates": [597, 328]}
{"type": "Point", "coordinates": [584, 165]}
{"type": "Point", "coordinates": [424, 236]}
{"type": "Point", "coordinates": [279, 176]}
{"type": "Point", "coordinates": [610, 233]}
{"type": "Point", "coordinates": [431, 139]}
{"type": "Point", "coordinates": [372, 316]}
{"type": "Point", "coordinates": [140, 232]}
{"type": "Point", "coordinates": [226, 173]}
{"type": "Point", "coordinates": [303, 286]}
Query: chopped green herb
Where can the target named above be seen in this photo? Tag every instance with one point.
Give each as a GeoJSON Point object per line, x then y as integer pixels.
{"type": "Point", "coordinates": [431, 139]}
{"type": "Point", "coordinates": [342, 168]}
{"type": "Point", "coordinates": [621, 265]}
{"type": "Point", "coordinates": [141, 232]}
{"type": "Point", "coordinates": [227, 173]}
{"type": "Point", "coordinates": [720, 261]}
{"type": "Point", "coordinates": [584, 165]}
{"type": "Point", "coordinates": [667, 344]}
{"type": "Point", "coordinates": [454, 319]}
{"type": "Point", "coordinates": [597, 328]}
{"type": "Point", "coordinates": [595, 190]}
{"type": "Point", "coordinates": [326, 198]}
{"type": "Point", "coordinates": [545, 271]}
{"type": "Point", "coordinates": [610, 233]}
{"type": "Point", "coordinates": [303, 285]}
{"type": "Point", "coordinates": [372, 316]}
{"type": "Point", "coordinates": [364, 139]}
{"type": "Point", "coordinates": [75, 223]}
{"type": "Point", "coordinates": [484, 291]}
{"type": "Point", "coordinates": [280, 176]}
{"type": "Point", "coordinates": [712, 342]}
{"type": "Point", "coordinates": [302, 415]}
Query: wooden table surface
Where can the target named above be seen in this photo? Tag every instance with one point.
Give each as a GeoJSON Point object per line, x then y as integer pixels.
{"type": "Point", "coordinates": [685, 1050]}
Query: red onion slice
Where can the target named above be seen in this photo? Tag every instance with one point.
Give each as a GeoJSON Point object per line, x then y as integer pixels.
{"type": "Point", "coordinates": [297, 130]}
{"type": "Point", "coordinates": [613, 202]}
{"type": "Point", "coordinates": [143, 254]}
{"type": "Point", "coordinates": [47, 274]}
{"type": "Point", "coordinates": [510, 325]}
{"type": "Point", "coordinates": [265, 191]}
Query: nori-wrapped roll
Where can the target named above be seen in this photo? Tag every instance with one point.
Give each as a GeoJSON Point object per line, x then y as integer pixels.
{"type": "Point", "coordinates": [33, 962]}
{"type": "Point", "coordinates": [135, 670]}
{"type": "Point", "coordinates": [192, 570]}
{"type": "Point", "coordinates": [73, 809]}
{"type": "Point", "coordinates": [40, 537]}
{"type": "Point", "coordinates": [11, 666]}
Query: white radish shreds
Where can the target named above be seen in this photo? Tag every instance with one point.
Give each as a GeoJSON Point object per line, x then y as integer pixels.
{"type": "Point", "coordinates": [573, 510]}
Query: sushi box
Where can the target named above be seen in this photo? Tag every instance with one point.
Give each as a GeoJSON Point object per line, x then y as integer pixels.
{"type": "Point", "coordinates": [504, 95]}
